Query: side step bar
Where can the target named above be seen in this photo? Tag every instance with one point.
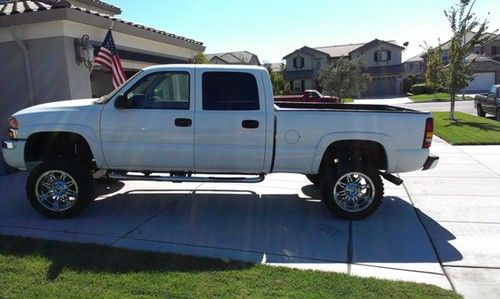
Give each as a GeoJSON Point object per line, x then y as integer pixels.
{"type": "Point", "coordinates": [195, 179]}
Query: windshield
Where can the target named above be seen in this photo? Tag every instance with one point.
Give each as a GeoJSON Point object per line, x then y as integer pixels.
{"type": "Point", "coordinates": [105, 98]}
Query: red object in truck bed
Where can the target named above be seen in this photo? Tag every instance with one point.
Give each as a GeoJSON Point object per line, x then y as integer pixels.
{"type": "Point", "coordinates": [308, 96]}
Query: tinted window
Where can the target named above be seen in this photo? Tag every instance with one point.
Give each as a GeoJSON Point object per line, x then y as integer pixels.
{"type": "Point", "coordinates": [165, 90]}
{"type": "Point", "coordinates": [230, 91]}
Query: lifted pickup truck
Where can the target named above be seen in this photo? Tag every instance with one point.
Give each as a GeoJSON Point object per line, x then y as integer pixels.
{"type": "Point", "coordinates": [310, 95]}
{"type": "Point", "coordinates": [488, 102]}
{"type": "Point", "coordinates": [185, 122]}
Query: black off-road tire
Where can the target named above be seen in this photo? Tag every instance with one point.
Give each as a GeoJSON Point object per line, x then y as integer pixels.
{"type": "Point", "coordinates": [80, 175]}
{"type": "Point", "coordinates": [338, 172]}
{"type": "Point", "coordinates": [480, 112]}
{"type": "Point", "coordinates": [315, 179]}
{"type": "Point", "coordinates": [497, 116]}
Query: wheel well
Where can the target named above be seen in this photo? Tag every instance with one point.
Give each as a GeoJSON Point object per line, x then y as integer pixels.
{"type": "Point", "coordinates": [53, 145]}
{"type": "Point", "coordinates": [358, 151]}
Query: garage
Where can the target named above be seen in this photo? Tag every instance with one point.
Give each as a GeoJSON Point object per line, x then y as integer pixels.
{"type": "Point", "coordinates": [482, 82]}
{"type": "Point", "coordinates": [382, 86]}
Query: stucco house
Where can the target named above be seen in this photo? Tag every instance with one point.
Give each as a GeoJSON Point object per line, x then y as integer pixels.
{"type": "Point", "coordinates": [383, 60]}
{"type": "Point", "coordinates": [43, 57]}
{"type": "Point", "coordinates": [485, 60]}
{"type": "Point", "coordinates": [237, 57]}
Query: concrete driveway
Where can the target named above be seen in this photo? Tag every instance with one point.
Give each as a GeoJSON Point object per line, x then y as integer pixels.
{"type": "Point", "coordinates": [441, 227]}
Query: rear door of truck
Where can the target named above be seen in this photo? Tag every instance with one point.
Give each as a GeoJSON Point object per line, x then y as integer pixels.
{"type": "Point", "coordinates": [230, 127]}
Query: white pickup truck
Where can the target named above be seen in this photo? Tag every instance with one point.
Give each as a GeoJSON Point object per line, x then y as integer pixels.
{"type": "Point", "coordinates": [189, 122]}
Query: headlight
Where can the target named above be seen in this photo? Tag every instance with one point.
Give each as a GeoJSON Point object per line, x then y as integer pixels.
{"type": "Point", "coordinates": [13, 127]}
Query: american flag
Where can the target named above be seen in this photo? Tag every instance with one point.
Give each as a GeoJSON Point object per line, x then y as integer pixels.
{"type": "Point", "coordinates": [108, 58]}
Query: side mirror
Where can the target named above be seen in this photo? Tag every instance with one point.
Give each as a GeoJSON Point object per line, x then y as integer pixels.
{"type": "Point", "coordinates": [122, 102]}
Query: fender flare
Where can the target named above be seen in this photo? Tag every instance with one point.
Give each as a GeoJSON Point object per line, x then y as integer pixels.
{"type": "Point", "coordinates": [384, 140]}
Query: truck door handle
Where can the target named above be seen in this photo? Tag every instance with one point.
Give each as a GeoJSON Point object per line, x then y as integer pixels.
{"type": "Point", "coordinates": [250, 124]}
{"type": "Point", "coordinates": [183, 122]}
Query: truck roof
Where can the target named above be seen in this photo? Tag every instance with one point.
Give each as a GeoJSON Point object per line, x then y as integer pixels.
{"type": "Point", "coordinates": [204, 67]}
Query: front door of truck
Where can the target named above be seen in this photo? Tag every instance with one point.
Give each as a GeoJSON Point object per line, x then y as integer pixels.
{"type": "Point", "coordinates": [230, 127]}
{"type": "Point", "coordinates": [155, 130]}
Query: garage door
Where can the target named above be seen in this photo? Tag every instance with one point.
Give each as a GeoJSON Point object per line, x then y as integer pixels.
{"type": "Point", "coordinates": [481, 83]}
{"type": "Point", "coordinates": [382, 86]}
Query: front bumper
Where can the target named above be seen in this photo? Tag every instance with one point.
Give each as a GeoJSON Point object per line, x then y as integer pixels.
{"type": "Point", "coordinates": [13, 153]}
{"type": "Point", "coordinates": [431, 162]}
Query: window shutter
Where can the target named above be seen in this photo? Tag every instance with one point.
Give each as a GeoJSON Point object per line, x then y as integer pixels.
{"type": "Point", "coordinates": [375, 56]}
{"type": "Point", "coordinates": [301, 61]}
{"type": "Point", "coordinates": [388, 55]}
{"type": "Point", "coordinates": [303, 83]}
{"type": "Point", "coordinates": [291, 85]}
{"type": "Point", "coordinates": [295, 62]}
{"type": "Point", "coordinates": [493, 50]}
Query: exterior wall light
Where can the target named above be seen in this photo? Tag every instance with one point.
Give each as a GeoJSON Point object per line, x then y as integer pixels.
{"type": "Point", "coordinates": [84, 51]}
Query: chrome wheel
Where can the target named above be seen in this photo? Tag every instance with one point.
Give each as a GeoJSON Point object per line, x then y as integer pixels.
{"type": "Point", "coordinates": [354, 192]}
{"type": "Point", "coordinates": [56, 190]}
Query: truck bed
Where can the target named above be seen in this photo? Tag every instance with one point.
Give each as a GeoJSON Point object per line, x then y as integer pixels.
{"type": "Point", "coordinates": [284, 106]}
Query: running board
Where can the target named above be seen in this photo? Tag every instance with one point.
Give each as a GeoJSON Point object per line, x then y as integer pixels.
{"type": "Point", "coordinates": [193, 179]}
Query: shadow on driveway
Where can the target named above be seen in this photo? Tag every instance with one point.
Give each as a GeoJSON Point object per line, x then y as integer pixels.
{"type": "Point", "coordinates": [284, 228]}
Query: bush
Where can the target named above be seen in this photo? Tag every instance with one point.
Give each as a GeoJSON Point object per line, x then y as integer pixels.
{"type": "Point", "coordinates": [420, 89]}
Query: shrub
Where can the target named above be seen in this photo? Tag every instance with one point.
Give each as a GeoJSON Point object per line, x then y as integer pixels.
{"type": "Point", "coordinates": [420, 89]}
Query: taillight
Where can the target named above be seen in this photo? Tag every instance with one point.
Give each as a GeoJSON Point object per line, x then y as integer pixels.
{"type": "Point", "coordinates": [13, 126]}
{"type": "Point", "coordinates": [429, 131]}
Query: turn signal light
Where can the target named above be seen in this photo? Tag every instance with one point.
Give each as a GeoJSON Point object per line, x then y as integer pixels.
{"type": "Point", "coordinates": [13, 123]}
{"type": "Point", "coordinates": [13, 126]}
{"type": "Point", "coordinates": [429, 131]}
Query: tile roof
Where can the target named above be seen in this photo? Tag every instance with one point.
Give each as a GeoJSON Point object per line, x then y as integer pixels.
{"type": "Point", "coordinates": [344, 50]}
{"type": "Point", "coordinates": [339, 50]}
{"type": "Point", "coordinates": [233, 57]}
{"type": "Point", "coordinates": [101, 4]}
{"type": "Point", "coordinates": [419, 57]}
{"type": "Point", "coordinates": [12, 7]}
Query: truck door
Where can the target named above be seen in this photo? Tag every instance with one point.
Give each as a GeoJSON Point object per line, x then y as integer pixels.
{"type": "Point", "coordinates": [230, 127]}
{"type": "Point", "coordinates": [156, 132]}
{"type": "Point", "coordinates": [491, 100]}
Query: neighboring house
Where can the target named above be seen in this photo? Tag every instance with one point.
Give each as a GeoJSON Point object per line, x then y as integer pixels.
{"type": "Point", "coordinates": [485, 65]}
{"type": "Point", "coordinates": [40, 46]}
{"type": "Point", "coordinates": [414, 66]}
{"type": "Point", "coordinates": [238, 57]}
{"type": "Point", "coordinates": [383, 60]}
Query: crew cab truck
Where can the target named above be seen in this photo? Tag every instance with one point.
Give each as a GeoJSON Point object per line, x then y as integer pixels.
{"type": "Point", "coordinates": [188, 122]}
{"type": "Point", "coordinates": [310, 95]}
{"type": "Point", "coordinates": [488, 102]}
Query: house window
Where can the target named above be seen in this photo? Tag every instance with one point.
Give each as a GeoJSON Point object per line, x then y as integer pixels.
{"type": "Point", "coordinates": [382, 55]}
{"type": "Point", "coordinates": [317, 64]}
{"type": "Point", "coordinates": [494, 50]}
{"type": "Point", "coordinates": [297, 86]}
{"type": "Point", "coordinates": [298, 62]}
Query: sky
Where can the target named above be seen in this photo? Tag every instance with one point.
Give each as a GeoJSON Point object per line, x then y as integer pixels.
{"type": "Point", "coordinates": [274, 28]}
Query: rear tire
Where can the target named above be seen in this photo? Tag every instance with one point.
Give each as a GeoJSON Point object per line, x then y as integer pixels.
{"type": "Point", "coordinates": [352, 192]}
{"type": "Point", "coordinates": [480, 111]}
{"type": "Point", "coordinates": [60, 188]}
{"type": "Point", "coordinates": [497, 116]}
{"type": "Point", "coordinates": [315, 179]}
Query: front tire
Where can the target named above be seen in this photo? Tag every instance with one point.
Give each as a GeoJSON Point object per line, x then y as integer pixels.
{"type": "Point", "coordinates": [480, 111]}
{"type": "Point", "coordinates": [59, 188]}
{"type": "Point", "coordinates": [352, 192]}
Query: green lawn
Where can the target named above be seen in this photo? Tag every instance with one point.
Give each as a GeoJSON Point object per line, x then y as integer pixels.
{"type": "Point", "coordinates": [439, 97]}
{"type": "Point", "coordinates": [47, 269]}
{"type": "Point", "coordinates": [468, 129]}
{"type": "Point", "coordinates": [347, 100]}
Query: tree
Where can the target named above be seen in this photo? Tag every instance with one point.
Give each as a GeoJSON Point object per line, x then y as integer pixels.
{"type": "Point", "coordinates": [277, 79]}
{"type": "Point", "coordinates": [345, 78]}
{"type": "Point", "coordinates": [434, 74]}
{"type": "Point", "coordinates": [468, 32]}
{"type": "Point", "coordinates": [200, 58]}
